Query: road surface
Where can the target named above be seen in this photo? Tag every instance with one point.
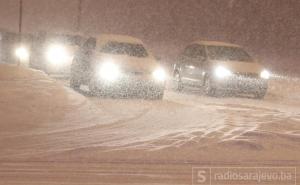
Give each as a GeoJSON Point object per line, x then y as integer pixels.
{"type": "Point", "coordinates": [53, 135]}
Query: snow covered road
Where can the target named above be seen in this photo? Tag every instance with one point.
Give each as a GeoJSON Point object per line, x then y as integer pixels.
{"type": "Point", "coordinates": [43, 121]}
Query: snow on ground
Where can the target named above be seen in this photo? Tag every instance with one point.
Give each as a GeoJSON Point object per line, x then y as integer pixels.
{"type": "Point", "coordinates": [42, 120]}
{"type": "Point", "coordinates": [33, 106]}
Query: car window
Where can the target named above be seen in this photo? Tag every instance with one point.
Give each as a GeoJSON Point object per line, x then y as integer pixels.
{"type": "Point", "coordinates": [199, 52]}
{"type": "Point", "coordinates": [119, 48]}
{"type": "Point", "coordinates": [228, 53]}
{"type": "Point", "coordinates": [189, 51]}
{"type": "Point", "coordinates": [90, 44]}
{"type": "Point", "coordinates": [195, 51]}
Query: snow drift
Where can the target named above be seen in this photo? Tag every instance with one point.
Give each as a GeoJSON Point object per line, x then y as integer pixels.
{"type": "Point", "coordinates": [43, 120]}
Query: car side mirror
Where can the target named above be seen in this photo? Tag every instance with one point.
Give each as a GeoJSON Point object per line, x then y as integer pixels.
{"type": "Point", "coordinates": [201, 58]}
{"type": "Point", "coordinates": [158, 58]}
{"type": "Point", "coordinates": [182, 58]}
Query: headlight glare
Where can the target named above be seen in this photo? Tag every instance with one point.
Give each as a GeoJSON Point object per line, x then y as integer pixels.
{"type": "Point", "coordinates": [265, 74]}
{"type": "Point", "coordinates": [22, 53]}
{"type": "Point", "coordinates": [222, 72]}
{"type": "Point", "coordinates": [159, 74]}
{"type": "Point", "coordinates": [57, 54]}
{"type": "Point", "coordinates": [109, 71]}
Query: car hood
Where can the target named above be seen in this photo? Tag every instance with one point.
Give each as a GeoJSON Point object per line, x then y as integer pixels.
{"type": "Point", "coordinates": [240, 66]}
{"type": "Point", "coordinates": [130, 64]}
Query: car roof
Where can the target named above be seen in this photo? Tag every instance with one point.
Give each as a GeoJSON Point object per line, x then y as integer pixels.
{"type": "Point", "coordinates": [215, 43]}
{"type": "Point", "coordinates": [118, 38]}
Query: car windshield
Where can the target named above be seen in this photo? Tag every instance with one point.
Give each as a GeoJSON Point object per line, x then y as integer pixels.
{"type": "Point", "coordinates": [119, 48]}
{"type": "Point", "coordinates": [226, 53]}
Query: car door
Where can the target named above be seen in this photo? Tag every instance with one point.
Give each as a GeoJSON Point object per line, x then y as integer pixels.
{"type": "Point", "coordinates": [186, 65]}
{"type": "Point", "coordinates": [199, 61]}
{"type": "Point", "coordinates": [193, 59]}
{"type": "Point", "coordinates": [83, 58]}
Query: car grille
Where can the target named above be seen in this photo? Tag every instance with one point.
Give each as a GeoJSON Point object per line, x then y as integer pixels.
{"type": "Point", "coordinates": [247, 75]}
{"type": "Point", "coordinates": [134, 73]}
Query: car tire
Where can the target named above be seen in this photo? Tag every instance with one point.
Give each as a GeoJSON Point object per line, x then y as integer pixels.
{"type": "Point", "coordinates": [95, 91]}
{"type": "Point", "coordinates": [75, 83]}
{"type": "Point", "coordinates": [177, 83]}
{"type": "Point", "coordinates": [260, 95]}
{"type": "Point", "coordinates": [208, 88]}
{"type": "Point", "coordinates": [156, 95]}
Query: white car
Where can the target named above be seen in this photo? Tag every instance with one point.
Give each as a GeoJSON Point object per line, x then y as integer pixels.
{"type": "Point", "coordinates": [112, 64]}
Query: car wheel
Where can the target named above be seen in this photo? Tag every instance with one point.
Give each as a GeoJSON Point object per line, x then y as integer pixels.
{"type": "Point", "coordinates": [75, 83]}
{"type": "Point", "coordinates": [177, 83]}
{"type": "Point", "coordinates": [156, 95]}
{"type": "Point", "coordinates": [260, 95]}
{"type": "Point", "coordinates": [208, 88]}
{"type": "Point", "coordinates": [95, 91]}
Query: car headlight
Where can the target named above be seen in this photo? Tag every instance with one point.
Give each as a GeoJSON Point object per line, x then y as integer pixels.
{"type": "Point", "coordinates": [159, 74]}
{"type": "Point", "coordinates": [109, 71]}
{"type": "Point", "coordinates": [265, 74]}
{"type": "Point", "coordinates": [22, 53]}
{"type": "Point", "coordinates": [222, 72]}
{"type": "Point", "coordinates": [57, 54]}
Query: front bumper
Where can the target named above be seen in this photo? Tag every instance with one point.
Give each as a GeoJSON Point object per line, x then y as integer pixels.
{"type": "Point", "coordinates": [128, 84]}
{"type": "Point", "coordinates": [241, 84]}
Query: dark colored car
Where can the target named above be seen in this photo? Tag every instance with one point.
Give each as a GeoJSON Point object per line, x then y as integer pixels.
{"type": "Point", "coordinates": [220, 67]}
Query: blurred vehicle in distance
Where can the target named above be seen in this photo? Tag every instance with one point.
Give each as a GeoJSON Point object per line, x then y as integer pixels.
{"type": "Point", "coordinates": [117, 64]}
{"type": "Point", "coordinates": [53, 53]}
{"type": "Point", "coordinates": [15, 48]}
{"type": "Point", "coordinates": [220, 67]}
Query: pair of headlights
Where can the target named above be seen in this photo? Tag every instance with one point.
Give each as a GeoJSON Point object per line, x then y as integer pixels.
{"type": "Point", "coordinates": [109, 71]}
{"type": "Point", "coordinates": [222, 72]}
{"type": "Point", "coordinates": [55, 54]}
